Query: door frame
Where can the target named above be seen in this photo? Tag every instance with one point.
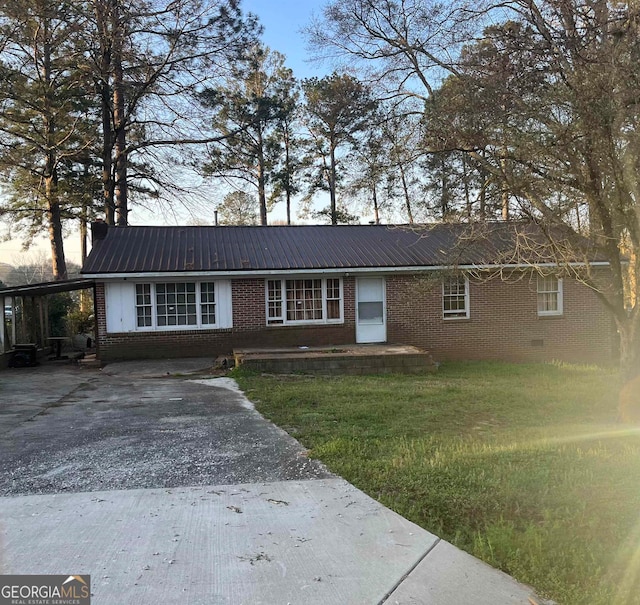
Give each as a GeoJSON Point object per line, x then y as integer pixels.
{"type": "Point", "coordinates": [377, 332]}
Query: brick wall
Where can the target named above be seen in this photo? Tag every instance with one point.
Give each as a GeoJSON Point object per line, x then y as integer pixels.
{"type": "Point", "coordinates": [503, 322]}
{"type": "Point", "coordinates": [250, 329]}
{"type": "Point", "coordinates": [101, 318]}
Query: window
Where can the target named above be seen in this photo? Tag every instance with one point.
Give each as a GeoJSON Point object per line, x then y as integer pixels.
{"type": "Point", "coordinates": [333, 299]}
{"type": "Point", "coordinates": [143, 305]}
{"type": "Point", "coordinates": [176, 305]}
{"type": "Point", "coordinates": [549, 295]}
{"type": "Point", "coordinates": [306, 300]}
{"type": "Point", "coordinates": [208, 303]}
{"type": "Point", "coordinates": [455, 298]}
{"type": "Point", "coordinates": [274, 302]}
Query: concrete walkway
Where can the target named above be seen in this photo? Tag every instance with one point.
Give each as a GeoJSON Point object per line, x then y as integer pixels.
{"type": "Point", "coordinates": [301, 541]}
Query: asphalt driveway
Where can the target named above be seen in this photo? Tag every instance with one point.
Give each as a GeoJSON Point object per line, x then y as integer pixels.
{"type": "Point", "coordinates": [88, 430]}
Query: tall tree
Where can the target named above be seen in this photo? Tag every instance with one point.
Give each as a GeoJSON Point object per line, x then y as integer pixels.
{"type": "Point", "coordinates": [401, 132]}
{"type": "Point", "coordinates": [369, 164]}
{"type": "Point", "coordinates": [252, 114]}
{"type": "Point", "coordinates": [556, 118]}
{"type": "Point", "coordinates": [289, 164]}
{"type": "Point", "coordinates": [44, 111]}
{"type": "Point", "coordinates": [239, 208]}
{"type": "Point", "coordinates": [458, 188]}
{"type": "Point", "coordinates": [404, 46]}
{"type": "Point", "coordinates": [338, 108]}
{"type": "Point", "coordinates": [546, 103]}
{"type": "Point", "coordinates": [150, 57]}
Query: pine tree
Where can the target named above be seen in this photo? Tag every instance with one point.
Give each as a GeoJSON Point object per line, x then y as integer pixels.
{"type": "Point", "coordinates": [250, 112]}
{"type": "Point", "coordinates": [44, 111]}
{"type": "Point", "coordinates": [337, 107]}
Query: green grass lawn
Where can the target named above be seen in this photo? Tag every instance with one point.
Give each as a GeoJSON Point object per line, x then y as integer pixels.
{"type": "Point", "coordinates": [523, 466]}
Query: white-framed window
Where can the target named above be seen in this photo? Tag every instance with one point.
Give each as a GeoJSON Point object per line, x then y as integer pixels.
{"type": "Point", "coordinates": [455, 297]}
{"type": "Point", "coordinates": [208, 303]}
{"type": "Point", "coordinates": [176, 305]}
{"type": "Point", "coordinates": [144, 307]}
{"type": "Point", "coordinates": [549, 295]}
{"type": "Point", "coordinates": [304, 300]}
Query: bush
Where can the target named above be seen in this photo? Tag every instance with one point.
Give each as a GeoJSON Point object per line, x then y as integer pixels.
{"type": "Point", "coordinates": [59, 306]}
{"type": "Point", "coordinates": [80, 322]}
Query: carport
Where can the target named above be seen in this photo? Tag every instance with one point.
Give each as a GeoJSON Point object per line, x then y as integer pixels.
{"type": "Point", "coordinates": [24, 312]}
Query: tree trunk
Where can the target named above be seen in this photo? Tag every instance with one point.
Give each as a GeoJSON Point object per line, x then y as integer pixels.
{"type": "Point", "coordinates": [407, 198]}
{"type": "Point", "coordinates": [288, 193]}
{"type": "Point", "coordinates": [262, 194]}
{"type": "Point", "coordinates": [83, 234]}
{"type": "Point", "coordinates": [332, 184]}
{"type": "Point", "coordinates": [119, 119]}
{"type": "Point", "coordinates": [84, 220]}
{"type": "Point", "coordinates": [629, 338]}
{"type": "Point", "coordinates": [505, 206]}
{"type": "Point", "coordinates": [444, 204]}
{"type": "Point", "coordinates": [287, 169]}
{"type": "Point", "coordinates": [629, 352]}
{"type": "Point", "coordinates": [108, 185]}
{"type": "Point", "coordinates": [58, 262]}
{"type": "Point", "coordinates": [102, 11]}
{"type": "Point", "coordinates": [505, 192]}
{"type": "Point", "coordinates": [376, 213]}
{"type": "Point", "coordinates": [465, 179]}
{"type": "Point", "coordinates": [484, 177]}
{"type": "Point", "coordinates": [120, 154]}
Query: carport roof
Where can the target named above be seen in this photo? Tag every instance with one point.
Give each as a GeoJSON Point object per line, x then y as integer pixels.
{"type": "Point", "coordinates": [127, 250]}
{"type": "Point", "coordinates": [53, 287]}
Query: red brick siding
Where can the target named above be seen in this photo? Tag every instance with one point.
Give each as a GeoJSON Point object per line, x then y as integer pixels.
{"type": "Point", "coordinates": [249, 330]}
{"type": "Point", "coordinates": [503, 322]}
{"type": "Point", "coordinates": [101, 318]}
{"type": "Point", "coordinates": [249, 306]}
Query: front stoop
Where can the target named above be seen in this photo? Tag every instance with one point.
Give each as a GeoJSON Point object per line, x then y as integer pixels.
{"type": "Point", "coordinates": [339, 359]}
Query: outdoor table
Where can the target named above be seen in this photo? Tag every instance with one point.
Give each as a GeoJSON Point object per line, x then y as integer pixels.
{"type": "Point", "coordinates": [57, 341]}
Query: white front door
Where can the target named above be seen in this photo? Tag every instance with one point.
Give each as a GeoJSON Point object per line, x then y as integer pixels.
{"type": "Point", "coordinates": [371, 323]}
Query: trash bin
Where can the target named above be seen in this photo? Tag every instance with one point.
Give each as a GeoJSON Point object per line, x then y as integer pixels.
{"type": "Point", "coordinates": [24, 355]}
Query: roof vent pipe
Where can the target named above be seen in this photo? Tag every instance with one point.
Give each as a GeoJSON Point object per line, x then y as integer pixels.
{"type": "Point", "coordinates": [98, 230]}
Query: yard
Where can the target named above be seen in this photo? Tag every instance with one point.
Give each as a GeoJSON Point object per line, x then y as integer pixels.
{"type": "Point", "coordinates": [523, 466]}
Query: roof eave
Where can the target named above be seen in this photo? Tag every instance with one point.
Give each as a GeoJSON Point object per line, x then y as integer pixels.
{"type": "Point", "coordinates": [333, 270]}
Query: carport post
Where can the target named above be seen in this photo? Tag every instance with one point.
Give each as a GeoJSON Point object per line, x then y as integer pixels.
{"type": "Point", "coordinates": [43, 340]}
{"type": "Point", "coordinates": [13, 320]}
{"type": "Point", "coordinates": [46, 318]}
{"type": "Point", "coordinates": [23, 332]}
{"type": "Point", "coordinates": [3, 327]}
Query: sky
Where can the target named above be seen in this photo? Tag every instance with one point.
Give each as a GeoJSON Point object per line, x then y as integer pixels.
{"type": "Point", "coordinates": [282, 22]}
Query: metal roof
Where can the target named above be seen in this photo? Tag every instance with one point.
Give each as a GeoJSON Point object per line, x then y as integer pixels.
{"type": "Point", "coordinates": [52, 287]}
{"type": "Point", "coordinates": [299, 248]}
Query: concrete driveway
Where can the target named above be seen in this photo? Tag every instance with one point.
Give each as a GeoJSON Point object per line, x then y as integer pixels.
{"type": "Point", "coordinates": [168, 487]}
